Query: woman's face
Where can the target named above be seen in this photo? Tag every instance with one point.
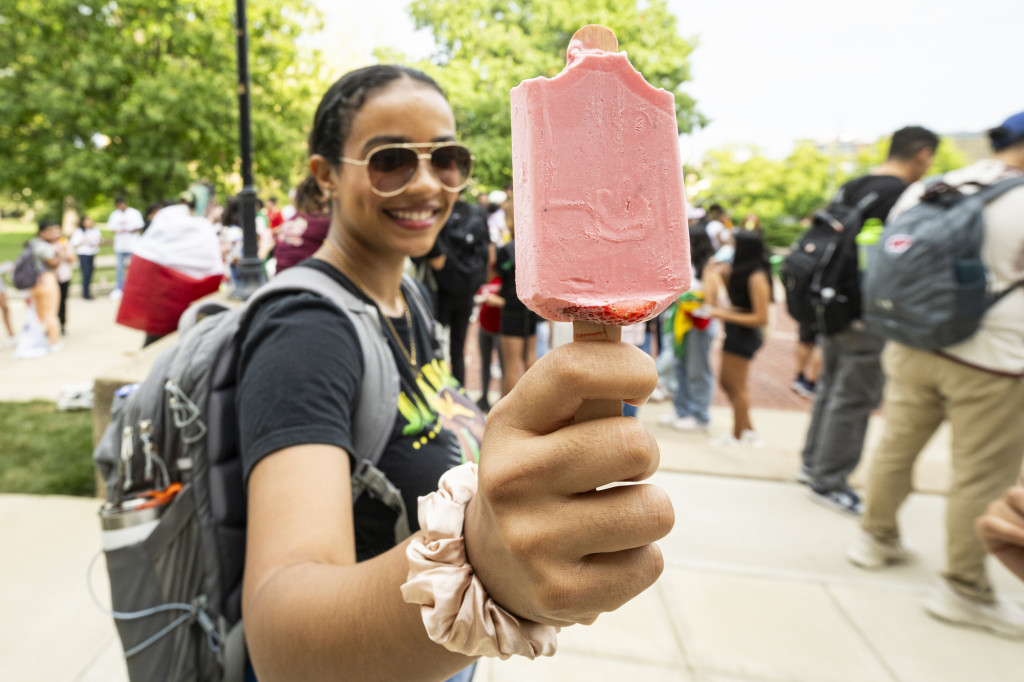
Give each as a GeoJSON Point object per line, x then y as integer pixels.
{"type": "Point", "coordinates": [87, 223]}
{"type": "Point", "coordinates": [407, 224]}
{"type": "Point", "coordinates": [51, 233]}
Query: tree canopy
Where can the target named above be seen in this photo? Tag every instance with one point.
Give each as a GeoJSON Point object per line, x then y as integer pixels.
{"type": "Point", "coordinates": [782, 192]}
{"type": "Point", "coordinates": [138, 97]}
{"type": "Point", "coordinates": [486, 47]}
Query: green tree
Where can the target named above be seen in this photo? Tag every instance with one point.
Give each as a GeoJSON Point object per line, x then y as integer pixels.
{"type": "Point", "coordinates": [139, 96]}
{"type": "Point", "coordinates": [780, 193]}
{"type": "Point", "coordinates": [486, 47]}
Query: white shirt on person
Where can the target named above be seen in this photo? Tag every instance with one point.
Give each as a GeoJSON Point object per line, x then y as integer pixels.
{"type": "Point", "coordinates": [126, 225]}
{"type": "Point", "coordinates": [86, 242]}
{"type": "Point", "coordinates": [715, 230]}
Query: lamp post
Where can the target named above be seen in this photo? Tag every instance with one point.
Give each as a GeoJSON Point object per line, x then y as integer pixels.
{"type": "Point", "coordinates": [250, 269]}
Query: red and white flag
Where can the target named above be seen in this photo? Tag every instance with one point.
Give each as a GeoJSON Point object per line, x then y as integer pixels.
{"type": "Point", "coordinates": [176, 262]}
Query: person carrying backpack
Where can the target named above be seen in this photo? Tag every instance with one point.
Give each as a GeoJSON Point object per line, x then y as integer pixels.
{"type": "Point", "coordinates": [460, 260]}
{"type": "Point", "coordinates": [851, 380]}
{"type": "Point", "coordinates": [496, 562]}
{"type": "Point", "coordinates": [976, 384]}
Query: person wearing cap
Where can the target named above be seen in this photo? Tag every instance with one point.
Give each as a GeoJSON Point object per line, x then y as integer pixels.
{"type": "Point", "coordinates": [978, 386]}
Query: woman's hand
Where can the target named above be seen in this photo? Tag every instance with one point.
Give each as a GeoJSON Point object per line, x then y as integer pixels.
{"type": "Point", "coordinates": [546, 543]}
{"type": "Point", "coordinates": [1001, 529]}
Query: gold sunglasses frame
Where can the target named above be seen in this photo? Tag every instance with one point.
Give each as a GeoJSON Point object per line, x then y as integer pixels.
{"type": "Point", "coordinates": [420, 156]}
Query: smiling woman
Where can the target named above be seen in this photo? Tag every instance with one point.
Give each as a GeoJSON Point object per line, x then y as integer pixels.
{"type": "Point", "coordinates": [331, 590]}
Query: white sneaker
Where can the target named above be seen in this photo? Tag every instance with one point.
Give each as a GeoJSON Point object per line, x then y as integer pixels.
{"type": "Point", "coordinates": [725, 439]}
{"type": "Point", "coordinates": [1001, 617]}
{"type": "Point", "coordinates": [658, 395]}
{"type": "Point", "coordinates": [115, 295]}
{"type": "Point", "coordinates": [868, 553]}
{"type": "Point", "coordinates": [667, 419]}
{"type": "Point", "coordinates": [752, 438]}
{"type": "Point", "coordinates": [687, 424]}
{"type": "Point", "coordinates": [57, 347]}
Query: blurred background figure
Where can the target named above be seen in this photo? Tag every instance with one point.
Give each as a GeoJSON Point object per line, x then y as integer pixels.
{"type": "Point", "coordinates": [301, 235]}
{"type": "Point", "coordinates": [126, 223]}
{"type": "Point", "coordinates": [65, 269]}
{"type": "Point", "coordinates": [86, 242]}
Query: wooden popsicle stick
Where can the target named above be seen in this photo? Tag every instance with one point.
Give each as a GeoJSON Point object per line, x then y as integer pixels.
{"type": "Point", "coordinates": [597, 37]}
{"type": "Point", "coordinates": [590, 332]}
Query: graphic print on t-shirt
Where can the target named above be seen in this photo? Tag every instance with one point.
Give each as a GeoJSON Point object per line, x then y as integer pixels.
{"type": "Point", "coordinates": [441, 404]}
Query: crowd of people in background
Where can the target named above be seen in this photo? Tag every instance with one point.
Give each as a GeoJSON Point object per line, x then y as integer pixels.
{"type": "Point", "coordinates": [470, 273]}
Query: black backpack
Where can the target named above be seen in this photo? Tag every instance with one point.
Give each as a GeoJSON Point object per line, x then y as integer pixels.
{"type": "Point", "coordinates": [464, 240]}
{"type": "Point", "coordinates": [175, 518]}
{"type": "Point", "coordinates": [25, 274]}
{"type": "Point", "coordinates": [820, 273]}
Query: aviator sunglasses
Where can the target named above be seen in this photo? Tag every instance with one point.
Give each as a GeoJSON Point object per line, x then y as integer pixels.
{"type": "Point", "coordinates": [392, 167]}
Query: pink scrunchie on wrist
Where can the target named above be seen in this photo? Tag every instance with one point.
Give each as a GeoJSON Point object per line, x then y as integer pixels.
{"type": "Point", "coordinates": [457, 612]}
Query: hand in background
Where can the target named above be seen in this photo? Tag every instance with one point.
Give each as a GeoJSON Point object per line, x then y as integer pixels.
{"type": "Point", "coordinates": [1001, 529]}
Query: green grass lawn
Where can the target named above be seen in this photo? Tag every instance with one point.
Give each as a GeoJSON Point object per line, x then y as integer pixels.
{"type": "Point", "coordinates": [45, 451]}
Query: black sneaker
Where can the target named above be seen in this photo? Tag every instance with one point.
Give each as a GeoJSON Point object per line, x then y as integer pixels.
{"type": "Point", "coordinates": [844, 500]}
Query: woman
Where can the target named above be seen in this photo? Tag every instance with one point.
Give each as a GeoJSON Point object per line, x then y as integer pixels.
{"type": "Point", "coordinates": [750, 291]}
{"type": "Point", "coordinates": [300, 237]}
{"type": "Point", "coordinates": [45, 294]}
{"type": "Point", "coordinates": [86, 242]}
{"type": "Point", "coordinates": [323, 593]}
{"type": "Point", "coordinates": [695, 381]}
{"type": "Point", "coordinates": [518, 327]}
{"type": "Point", "coordinates": [5, 313]}
{"type": "Point", "coordinates": [65, 269]}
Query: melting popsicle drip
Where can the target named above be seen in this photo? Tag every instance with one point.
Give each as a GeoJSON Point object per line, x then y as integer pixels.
{"type": "Point", "coordinates": [618, 314]}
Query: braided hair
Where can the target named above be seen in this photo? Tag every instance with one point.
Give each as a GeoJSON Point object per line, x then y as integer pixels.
{"type": "Point", "coordinates": [343, 100]}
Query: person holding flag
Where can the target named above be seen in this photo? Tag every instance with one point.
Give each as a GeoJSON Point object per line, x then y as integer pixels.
{"type": "Point", "coordinates": [176, 261]}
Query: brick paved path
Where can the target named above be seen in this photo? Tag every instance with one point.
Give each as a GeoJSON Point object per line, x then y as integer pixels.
{"type": "Point", "coordinates": [770, 376]}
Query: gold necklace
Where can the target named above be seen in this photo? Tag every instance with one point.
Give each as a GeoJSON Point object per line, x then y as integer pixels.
{"type": "Point", "coordinates": [410, 354]}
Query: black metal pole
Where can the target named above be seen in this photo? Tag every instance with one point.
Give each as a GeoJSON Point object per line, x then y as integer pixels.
{"type": "Point", "coordinates": [250, 269]}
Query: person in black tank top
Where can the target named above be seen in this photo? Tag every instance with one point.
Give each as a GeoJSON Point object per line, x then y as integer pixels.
{"type": "Point", "coordinates": [750, 291]}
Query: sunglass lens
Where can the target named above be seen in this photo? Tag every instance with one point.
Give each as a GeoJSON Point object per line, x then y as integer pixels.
{"type": "Point", "coordinates": [392, 168]}
{"type": "Point", "coordinates": [452, 165]}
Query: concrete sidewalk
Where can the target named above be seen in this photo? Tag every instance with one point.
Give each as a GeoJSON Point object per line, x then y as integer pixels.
{"type": "Point", "coordinates": [756, 587]}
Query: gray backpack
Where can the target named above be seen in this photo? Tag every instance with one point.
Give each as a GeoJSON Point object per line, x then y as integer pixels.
{"type": "Point", "coordinates": [926, 286]}
{"type": "Point", "coordinates": [175, 517]}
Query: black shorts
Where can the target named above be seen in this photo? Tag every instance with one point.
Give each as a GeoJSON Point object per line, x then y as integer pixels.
{"type": "Point", "coordinates": [521, 323]}
{"type": "Point", "coordinates": [741, 341]}
{"type": "Point", "coordinates": [808, 333]}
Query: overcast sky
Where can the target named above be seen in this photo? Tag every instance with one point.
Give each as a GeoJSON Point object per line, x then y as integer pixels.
{"type": "Point", "coordinates": [772, 71]}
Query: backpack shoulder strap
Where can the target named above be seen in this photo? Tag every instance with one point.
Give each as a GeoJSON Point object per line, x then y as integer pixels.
{"type": "Point", "coordinates": [997, 189]}
{"type": "Point", "coordinates": [372, 426]}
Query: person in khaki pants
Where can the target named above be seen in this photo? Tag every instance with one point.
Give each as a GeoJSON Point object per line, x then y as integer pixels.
{"type": "Point", "coordinates": [978, 385]}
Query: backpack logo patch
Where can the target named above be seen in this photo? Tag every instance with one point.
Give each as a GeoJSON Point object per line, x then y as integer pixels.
{"type": "Point", "coordinates": [898, 243]}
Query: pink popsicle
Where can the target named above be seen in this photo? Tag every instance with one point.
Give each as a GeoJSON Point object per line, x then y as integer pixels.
{"type": "Point", "coordinates": [600, 212]}
{"type": "Point", "coordinates": [601, 232]}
